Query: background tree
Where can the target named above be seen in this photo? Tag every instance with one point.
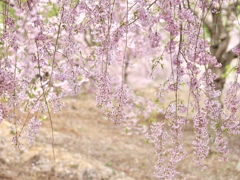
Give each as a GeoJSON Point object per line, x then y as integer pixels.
{"type": "Point", "coordinates": [221, 25]}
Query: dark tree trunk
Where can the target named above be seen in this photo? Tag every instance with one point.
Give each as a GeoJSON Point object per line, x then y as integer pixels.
{"type": "Point", "coordinates": [219, 43]}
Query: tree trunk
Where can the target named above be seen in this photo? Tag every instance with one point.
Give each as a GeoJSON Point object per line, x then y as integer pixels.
{"type": "Point", "coordinates": [219, 43]}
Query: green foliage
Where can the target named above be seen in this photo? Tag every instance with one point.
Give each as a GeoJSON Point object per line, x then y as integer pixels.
{"type": "Point", "coordinates": [43, 118]}
{"type": "Point", "coordinates": [218, 125]}
{"type": "Point", "coordinates": [228, 70]}
{"type": "Point", "coordinates": [157, 61]}
{"type": "Point", "coordinates": [54, 11]}
{"type": "Point", "coordinates": [135, 15]}
{"type": "Point", "coordinates": [152, 119]}
{"type": "Point", "coordinates": [206, 31]}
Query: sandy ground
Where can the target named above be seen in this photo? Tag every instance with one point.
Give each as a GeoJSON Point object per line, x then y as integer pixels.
{"type": "Point", "coordinates": [87, 147]}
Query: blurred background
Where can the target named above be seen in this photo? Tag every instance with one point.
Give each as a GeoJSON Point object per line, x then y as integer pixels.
{"type": "Point", "coordinates": [89, 147]}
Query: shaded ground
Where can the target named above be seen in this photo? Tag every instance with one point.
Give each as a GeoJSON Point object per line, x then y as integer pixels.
{"type": "Point", "coordinates": [87, 147]}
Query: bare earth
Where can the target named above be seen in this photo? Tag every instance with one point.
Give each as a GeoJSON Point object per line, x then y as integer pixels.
{"type": "Point", "coordinates": [87, 147]}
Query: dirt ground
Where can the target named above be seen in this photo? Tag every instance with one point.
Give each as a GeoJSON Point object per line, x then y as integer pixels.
{"type": "Point", "coordinates": [88, 147]}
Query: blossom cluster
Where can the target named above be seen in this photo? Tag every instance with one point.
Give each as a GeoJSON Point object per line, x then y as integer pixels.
{"type": "Point", "coordinates": [33, 125]}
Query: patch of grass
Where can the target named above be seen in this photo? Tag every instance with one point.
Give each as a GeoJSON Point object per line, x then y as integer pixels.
{"type": "Point", "coordinates": [109, 164]}
{"type": "Point", "coordinates": [73, 166]}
